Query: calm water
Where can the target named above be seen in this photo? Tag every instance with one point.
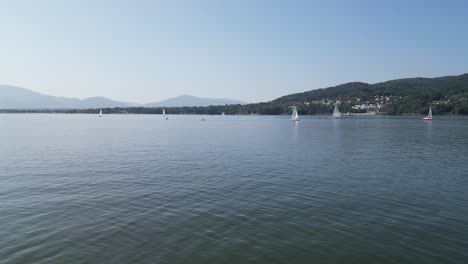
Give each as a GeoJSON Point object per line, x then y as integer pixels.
{"type": "Point", "coordinates": [140, 189]}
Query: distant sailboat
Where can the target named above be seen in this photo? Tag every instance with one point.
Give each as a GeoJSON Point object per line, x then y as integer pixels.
{"type": "Point", "coordinates": [295, 116]}
{"type": "Point", "coordinates": [336, 112]}
{"type": "Point", "coordinates": [164, 112]}
{"type": "Point", "coordinates": [100, 112]}
{"type": "Point", "coordinates": [429, 116]}
{"type": "Point", "coordinates": [223, 114]}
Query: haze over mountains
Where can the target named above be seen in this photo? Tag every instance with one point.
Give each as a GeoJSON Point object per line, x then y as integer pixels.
{"type": "Point", "coordinates": [12, 97]}
{"type": "Point", "coordinates": [188, 100]}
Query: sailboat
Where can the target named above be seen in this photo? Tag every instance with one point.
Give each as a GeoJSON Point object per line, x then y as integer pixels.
{"type": "Point", "coordinates": [223, 114]}
{"type": "Point", "coordinates": [336, 112]}
{"type": "Point", "coordinates": [100, 112]}
{"type": "Point", "coordinates": [429, 116]}
{"type": "Point", "coordinates": [164, 114]}
{"type": "Point", "coordinates": [295, 116]}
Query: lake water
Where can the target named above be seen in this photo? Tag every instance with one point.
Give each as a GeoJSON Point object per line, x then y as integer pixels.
{"type": "Point", "coordinates": [238, 189]}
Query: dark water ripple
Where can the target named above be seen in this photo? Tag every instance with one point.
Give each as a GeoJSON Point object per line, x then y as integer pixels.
{"type": "Point", "coordinates": [139, 189]}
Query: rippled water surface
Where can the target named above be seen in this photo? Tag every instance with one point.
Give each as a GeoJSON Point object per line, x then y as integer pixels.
{"type": "Point", "coordinates": [140, 189]}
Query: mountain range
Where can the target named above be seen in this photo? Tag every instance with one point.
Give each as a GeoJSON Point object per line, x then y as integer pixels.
{"type": "Point", "coordinates": [446, 95]}
{"type": "Point", "coordinates": [12, 97]}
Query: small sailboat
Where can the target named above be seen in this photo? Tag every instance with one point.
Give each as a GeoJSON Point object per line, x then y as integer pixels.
{"type": "Point", "coordinates": [100, 112]}
{"type": "Point", "coordinates": [164, 112]}
{"type": "Point", "coordinates": [295, 116]}
{"type": "Point", "coordinates": [429, 116]}
{"type": "Point", "coordinates": [336, 112]}
{"type": "Point", "coordinates": [223, 114]}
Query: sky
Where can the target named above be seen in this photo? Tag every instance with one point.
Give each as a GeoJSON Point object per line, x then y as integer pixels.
{"type": "Point", "coordinates": [252, 50]}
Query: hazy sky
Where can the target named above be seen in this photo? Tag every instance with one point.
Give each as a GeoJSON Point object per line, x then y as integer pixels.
{"type": "Point", "coordinates": [144, 51]}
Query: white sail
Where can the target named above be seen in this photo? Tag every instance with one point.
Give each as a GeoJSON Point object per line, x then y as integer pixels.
{"type": "Point", "coordinates": [223, 114]}
{"type": "Point", "coordinates": [100, 112]}
{"type": "Point", "coordinates": [336, 112]}
{"type": "Point", "coordinates": [429, 115]}
{"type": "Point", "coordinates": [295, 116]}
{"type": "Point", "coordinates": [164, 112]}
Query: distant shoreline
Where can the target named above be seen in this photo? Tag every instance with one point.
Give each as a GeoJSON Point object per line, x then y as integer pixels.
{"type": "Point", "coordinates": [111, 111]}
{"type": "Point", "coordinates": [447, 95]}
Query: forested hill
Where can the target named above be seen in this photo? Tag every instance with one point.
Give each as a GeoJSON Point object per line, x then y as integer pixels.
{"type": "Point", "coordinates": [430, 88]}
{"type": "Point", "coordinates": [447, 95]}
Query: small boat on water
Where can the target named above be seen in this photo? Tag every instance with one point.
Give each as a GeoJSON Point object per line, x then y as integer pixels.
{"type": "Point", "coordinates": [100, 112]}
{"type": "Point", "coordinates": [223, 114]}
{"type": "Point", "coordinates": [429, 116]}
{"type": "Point", "coordinates": [294, 116]}
{"type": "Point", "coordinates": [164, 112]}
{"type": "Point", "coordinates": [336, 112]}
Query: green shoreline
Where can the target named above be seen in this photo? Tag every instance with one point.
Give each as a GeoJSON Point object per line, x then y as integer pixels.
{"type": "Point", "coordinates": [158, 111]}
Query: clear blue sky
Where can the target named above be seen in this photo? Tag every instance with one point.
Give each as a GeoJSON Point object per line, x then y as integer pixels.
{"type": "Point", "coordinates": [144, 51]}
